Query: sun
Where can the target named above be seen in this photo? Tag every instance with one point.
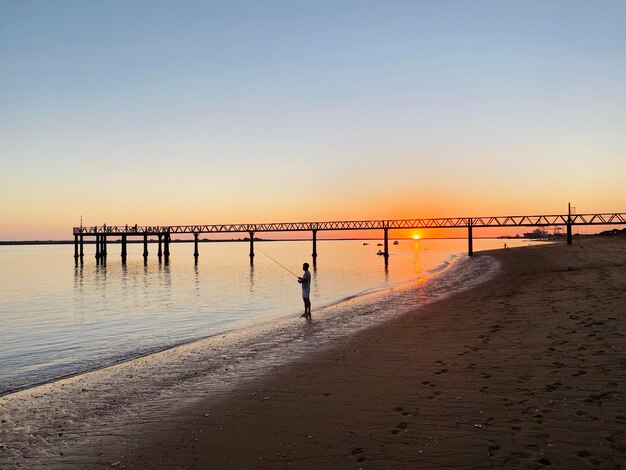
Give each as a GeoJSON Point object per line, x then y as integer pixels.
{"type": "Point", "coordinates": [416, 237]}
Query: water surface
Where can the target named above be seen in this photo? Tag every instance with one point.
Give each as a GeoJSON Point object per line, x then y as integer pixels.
{"type": "Point", "coordinates": [58, 319]}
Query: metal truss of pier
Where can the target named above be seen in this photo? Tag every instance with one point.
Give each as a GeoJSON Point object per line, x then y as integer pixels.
{"type": "Point", "coordinates": [164, 232]}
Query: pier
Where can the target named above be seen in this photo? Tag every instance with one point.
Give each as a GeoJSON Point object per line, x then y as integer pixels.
{"type": "Point", "coordinates": [164, 232]}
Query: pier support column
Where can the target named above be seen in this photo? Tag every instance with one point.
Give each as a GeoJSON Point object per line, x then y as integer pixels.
{"type": "Point", "coordinates": [124, 252]}
{"type": "Point", "coordinates": [82, 252]}
{"type": "Point", "coordinates": [569, 223]}
{"type": "Point", "coordinates": [569, 233]}
{"type": "Point", "coordinates": [76, 247]}
{"type": "Point", "coordinates": [470, 241]}
{"type": "Point", "coordinates": [195, 246]}
{"type": "Point", "coordinates": [251, 244]}
{"type": "Point", "coordinates": [386, 243]}
{"type": "Point", "coordinates": [166, 246]}
{"type": "Point", "coordinates": [97, 247]}
{"type": "Point", "coordinates": [145, 246]}
{"type": "Point", "coordinates": [103, 251]}
{"type": "Point", "coordinates": [160, 252]}
{"type": "Point", "coordinates": [314, 254]}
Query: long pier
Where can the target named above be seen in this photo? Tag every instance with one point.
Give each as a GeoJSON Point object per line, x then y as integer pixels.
{"type": "Point", "coordinates": [164, 232]}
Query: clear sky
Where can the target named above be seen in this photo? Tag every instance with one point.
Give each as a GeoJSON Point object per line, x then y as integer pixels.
{"type": "Point", "coordinates": [155, 112]}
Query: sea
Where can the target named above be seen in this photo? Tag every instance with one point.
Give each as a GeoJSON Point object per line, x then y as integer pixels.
{"type": "Point", "coordinates": [59, 319]}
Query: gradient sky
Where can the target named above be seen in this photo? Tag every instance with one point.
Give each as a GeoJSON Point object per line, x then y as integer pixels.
{"type": "Point", "coordinates": [155, 112]}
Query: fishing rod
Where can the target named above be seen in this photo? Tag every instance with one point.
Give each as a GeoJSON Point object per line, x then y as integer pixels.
{"type": "Point", "coordinates": [278, 263]}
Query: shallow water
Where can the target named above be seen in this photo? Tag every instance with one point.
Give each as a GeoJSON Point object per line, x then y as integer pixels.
{"type": "Point", "coordinates": [57, 319]}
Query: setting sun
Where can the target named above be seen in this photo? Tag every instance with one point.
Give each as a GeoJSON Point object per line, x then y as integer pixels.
{"type": "Point", "coordinates": [416, 237]}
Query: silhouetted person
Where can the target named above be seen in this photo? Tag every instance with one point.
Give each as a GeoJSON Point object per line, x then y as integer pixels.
{"type": "Point", "coordinates": [305, 280]}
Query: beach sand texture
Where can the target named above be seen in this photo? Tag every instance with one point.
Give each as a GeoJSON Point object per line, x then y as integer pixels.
{"type": "Point", "coordinates": [527, 370]}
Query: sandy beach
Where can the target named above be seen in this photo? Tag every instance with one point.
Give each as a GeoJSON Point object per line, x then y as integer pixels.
{"type": "Point", "coordinates": [528, 370]}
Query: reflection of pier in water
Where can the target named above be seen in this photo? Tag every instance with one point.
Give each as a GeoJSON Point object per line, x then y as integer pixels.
{"type": "Point", "coordinates": [163, 233]}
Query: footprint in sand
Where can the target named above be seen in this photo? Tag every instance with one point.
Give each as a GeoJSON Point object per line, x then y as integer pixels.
{"type": "Point", "coordinates": [553, 387]}
{"type": "Point", "coordinates": [515, 457]}
{"type": "Point", "coordinates": [358, 454]}
{"type": "Point", "coordinates": [492, 449]}
{"type": "Point", "coordinates": [597, 398]}
{"type": "Point", "coordinates": [618, 440]}
{"type": "Point", "coordinates": [398, 428]}
{"type": "Point", "coordinates": [402, 411]}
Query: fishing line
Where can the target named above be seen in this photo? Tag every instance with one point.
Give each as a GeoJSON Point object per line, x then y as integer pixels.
{"type": "Point", "coordinates": [278, 263]}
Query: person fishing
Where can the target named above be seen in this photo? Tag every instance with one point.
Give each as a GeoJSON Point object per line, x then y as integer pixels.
{"type": "Point", "coordinates": [305, 280]}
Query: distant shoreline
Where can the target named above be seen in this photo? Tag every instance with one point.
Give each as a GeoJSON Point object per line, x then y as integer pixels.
{"type": "Point", "coordinates": [246, 240]}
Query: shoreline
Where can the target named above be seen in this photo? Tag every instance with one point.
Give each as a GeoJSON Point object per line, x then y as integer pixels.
{"type": "Point", "coordinates": [436, 387]}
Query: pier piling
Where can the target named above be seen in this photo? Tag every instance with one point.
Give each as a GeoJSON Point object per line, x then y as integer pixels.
{"type": "Point", "coordinates": [103, 250]}
{"type": "Point", "coordinates": [76, 247]}
{"type": "Point", "coordinates": [124, 248]}
{"type": "Point", "coordinates": [251, 244]}
{"type": "Point", "coordinates": [314, 254]}
{"type": "Point", "coordinates": [470, 241]}
{"type": "Point", "coordinates": [145, 246]}
{"type": "Point", "coordinates": [82, 253]}
{"type": "Point", "coordinates": [569, 234]}
{"type": "Point", "coordinates": [386, 252]}
{"type": "Point", "coordinates": [569, 223]}
{"type": "Point", "coordinates": [160, 251]}
{"type": "Point", "coordinates": [195, 246]}
{"type": "Point", "coordinates": [97, 248]}
{"type": "Point", "coordinates": [166, 246]}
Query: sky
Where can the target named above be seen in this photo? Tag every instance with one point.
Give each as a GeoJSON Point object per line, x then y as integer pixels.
{"type": "Point", "coordinates": [165, 112]}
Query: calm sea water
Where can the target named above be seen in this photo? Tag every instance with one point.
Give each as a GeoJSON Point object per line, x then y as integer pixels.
{"type": "Point", "coordinates": [57, 319]}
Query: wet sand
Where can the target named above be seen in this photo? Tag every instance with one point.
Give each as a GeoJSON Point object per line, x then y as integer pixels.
{"type": "Point", "coordinates": [525, 371]}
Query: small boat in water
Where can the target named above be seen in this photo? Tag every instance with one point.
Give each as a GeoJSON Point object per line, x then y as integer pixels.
{"type": "Point", "coordinates": [366, 243]}
{"type": "Point", "coordinates": [396, 242]}
{"type": "Point", "coordinates": [379, 244]}
{"type": "Point", "coordinates": [380, 253]}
